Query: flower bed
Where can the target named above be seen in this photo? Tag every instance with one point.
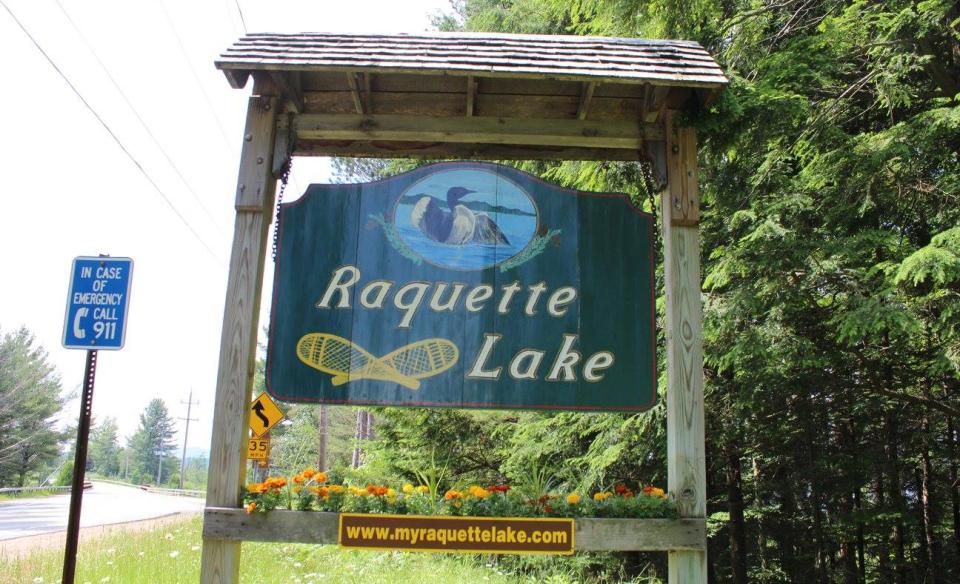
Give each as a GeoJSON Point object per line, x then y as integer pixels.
{"type": "Point", "coordinates": [309, 491]}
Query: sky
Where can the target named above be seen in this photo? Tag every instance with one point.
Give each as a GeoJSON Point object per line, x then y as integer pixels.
{"type": "Point", "coordinates": [69, 190]}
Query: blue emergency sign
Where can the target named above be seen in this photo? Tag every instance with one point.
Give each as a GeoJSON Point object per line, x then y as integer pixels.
{"type": "Point", "coordinates": [97, 303]}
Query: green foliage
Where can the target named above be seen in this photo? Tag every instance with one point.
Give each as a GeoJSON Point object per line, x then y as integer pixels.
{"type": "Point", "coordinates": [153, 440]}
{"type": "Point", "coordinates": [103, 455]}
{"type": "Point", "coordinates": [30, 398]}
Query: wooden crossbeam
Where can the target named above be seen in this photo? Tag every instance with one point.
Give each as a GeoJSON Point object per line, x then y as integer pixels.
{"type": "Point", "coordinates": [458, 151]}
{"type": "Point", "coordinates": [471, 95]}
{"type": "Point", "coordinates": [355, 92]}
{"type": "Point", "coordinates": [367, 94]}
{"type": "Point", "coordinates": [586, 95]}
{"type": "Point", "coordinates": [289, 86]}
{"type": "Point", "coordinates": [592, 534]}
{"type": "Point", "coordinates": [481, 130]}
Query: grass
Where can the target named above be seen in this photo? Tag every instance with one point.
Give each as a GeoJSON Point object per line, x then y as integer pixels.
{"type": "Point", "coordinates": [171, 554]}
{"type": "Point", "coordinates": [31, 494]}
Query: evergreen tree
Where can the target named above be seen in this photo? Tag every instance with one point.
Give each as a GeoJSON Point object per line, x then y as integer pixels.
{"type": "Point", "coordinates": [153, 441]}
{"type": "Point", "coordinates": [104, 449]}
{"type": "Point", "coordinates": [30, 397]}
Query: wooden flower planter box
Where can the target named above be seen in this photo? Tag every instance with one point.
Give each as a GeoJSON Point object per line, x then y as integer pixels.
{"type": "Point", "coordinates": [592, 534]}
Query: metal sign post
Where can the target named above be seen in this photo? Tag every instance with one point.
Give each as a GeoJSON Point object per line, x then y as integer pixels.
{"type": "Point", "coordinates": [79, 466]}
{"type": "Point", "coordinates": [96, 316]}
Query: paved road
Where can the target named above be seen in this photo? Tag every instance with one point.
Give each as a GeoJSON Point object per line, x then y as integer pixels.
{"type": "Point", "coordinates": [102, 505]}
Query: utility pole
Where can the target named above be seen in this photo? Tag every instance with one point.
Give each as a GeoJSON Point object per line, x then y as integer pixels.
{"type": "Point", "coordinates": [186, 432]}
{"type": "Point", "coordinates": [324, 430]}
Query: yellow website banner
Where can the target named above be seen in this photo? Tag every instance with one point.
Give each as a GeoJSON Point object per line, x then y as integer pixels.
{"type": "Point", "coordinates": [419, 533]}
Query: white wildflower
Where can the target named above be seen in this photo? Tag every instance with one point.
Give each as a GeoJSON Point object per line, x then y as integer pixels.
{"type": "Point", "coordinates": [174, 554]}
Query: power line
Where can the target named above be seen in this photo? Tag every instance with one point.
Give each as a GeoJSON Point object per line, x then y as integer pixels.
{"type": "Point", "coordinates": [196, 78]}
{"type": "Point", "coordinates": [109, 130]}
{"type": "Point", "coordinates": [140, 119]}
{"type": "Point", "coordinates": [242, 21]}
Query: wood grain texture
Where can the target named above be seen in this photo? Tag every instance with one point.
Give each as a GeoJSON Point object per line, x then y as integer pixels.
{"type": "Point", "coordinates": [220, 562]}
{"type": "Point", "coordinates": [586, 96]}
{"type": "Point", "coordinates": [684, 208]}
{"type": "Point", "coordinates": [475, 130]}
{"type": "Point", "coordinates": [591, 534]}
{"type": "Point", "coordinates": [449, 150]}
{"type": "Point", "coordinates": [686, 463]}
{"type": "Point", "coordinates": [440, 105]}
{"type": "Point", "coordinates": [257, 155]}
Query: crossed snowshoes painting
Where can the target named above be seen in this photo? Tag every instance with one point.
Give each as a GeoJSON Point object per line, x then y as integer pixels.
{"type": "Point", "coordinates": [346, 361]}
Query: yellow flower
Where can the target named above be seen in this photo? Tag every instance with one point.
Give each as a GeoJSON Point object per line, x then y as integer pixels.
{"type": "Point", "coordinates": [251, 508]}
{"type": "Point", "coordinates": [601, 496]}
{"type": "Point", "coordinates": [457, 504]}
{"type": "Point", "coordinates": [335, 488]}
{"type": "Point", "coordinates": [573, 499]}
{"type": "Point", "coordinates": [655, 492]}
{"type": "Point", "coordinates": [478, 492]}
{"type": "Point", "coordinates": [408, 488]}
{"type": "Point", "coordinates": [424, 489]}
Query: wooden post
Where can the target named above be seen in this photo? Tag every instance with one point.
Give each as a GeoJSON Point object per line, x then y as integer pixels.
{"type": "Point", "coordinates": [686, 461]}
{"type": "Point", "coordinates": [254, 207]}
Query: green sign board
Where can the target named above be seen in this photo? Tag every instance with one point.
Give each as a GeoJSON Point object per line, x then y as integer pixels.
{"type": "Point", "coordinates": [466, 285]}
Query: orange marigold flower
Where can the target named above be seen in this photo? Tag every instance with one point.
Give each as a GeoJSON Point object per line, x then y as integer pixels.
{"type": "Point", "coordinates": [478, 492]}
{"type": "Point", "coordinates": [451, 494]}
{"type": "Point", "coordinates": [655, 492]}
{"type": "Point", "coordinates": [498, 488]}
{"type": "Point", "coordinates": [308, 473]}
{"type": "Point", "coordinates": [573, 499]}
{"type": "Point", "coordinates": [298, 479]}
{"type": "Point", "coordinates": [251, 508]}
{"type": "Point", "coordinates": [621, 489]}
{"type": "Point", "coordinates": [602, 496]}
{"type": "Point", "coordinates": [320, 477]}
{"type": "Point", "coordinates": [297, 489]}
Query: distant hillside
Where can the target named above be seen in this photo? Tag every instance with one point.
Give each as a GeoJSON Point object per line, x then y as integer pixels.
{"type": "Point", "coordinates": [481, 206]}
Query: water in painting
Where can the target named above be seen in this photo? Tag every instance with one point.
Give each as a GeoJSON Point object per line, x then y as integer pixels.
{"type": "Point", "coordinates": [465, 219]}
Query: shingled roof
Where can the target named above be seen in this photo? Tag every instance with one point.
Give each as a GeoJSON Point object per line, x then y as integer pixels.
{"type": "Point", "coordinates": [603, 59]}
{"type": "Point", "coordinates": [474, 95]}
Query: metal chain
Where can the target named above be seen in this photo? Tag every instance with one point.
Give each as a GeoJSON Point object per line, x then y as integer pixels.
{"type": "Point", "coordinates": [284, 178]}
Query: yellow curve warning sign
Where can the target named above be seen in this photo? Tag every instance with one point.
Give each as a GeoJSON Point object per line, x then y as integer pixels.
{"type": "Point", "coordinates": [264, 414]}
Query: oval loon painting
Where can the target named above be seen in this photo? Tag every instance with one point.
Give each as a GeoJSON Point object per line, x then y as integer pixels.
{"type": "Point", "coordinates": [465, 219]}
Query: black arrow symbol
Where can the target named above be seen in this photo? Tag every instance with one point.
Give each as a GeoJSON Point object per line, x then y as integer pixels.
{"type": "Point", "coordinates": [258, 409]}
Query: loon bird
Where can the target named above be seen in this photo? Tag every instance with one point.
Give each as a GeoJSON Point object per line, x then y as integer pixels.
{"type": "Point", "coordinates": [458, 225]}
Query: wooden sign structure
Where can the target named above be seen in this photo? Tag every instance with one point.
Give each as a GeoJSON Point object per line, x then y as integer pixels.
{"type": "Point", "coordinates": [460, 95]}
